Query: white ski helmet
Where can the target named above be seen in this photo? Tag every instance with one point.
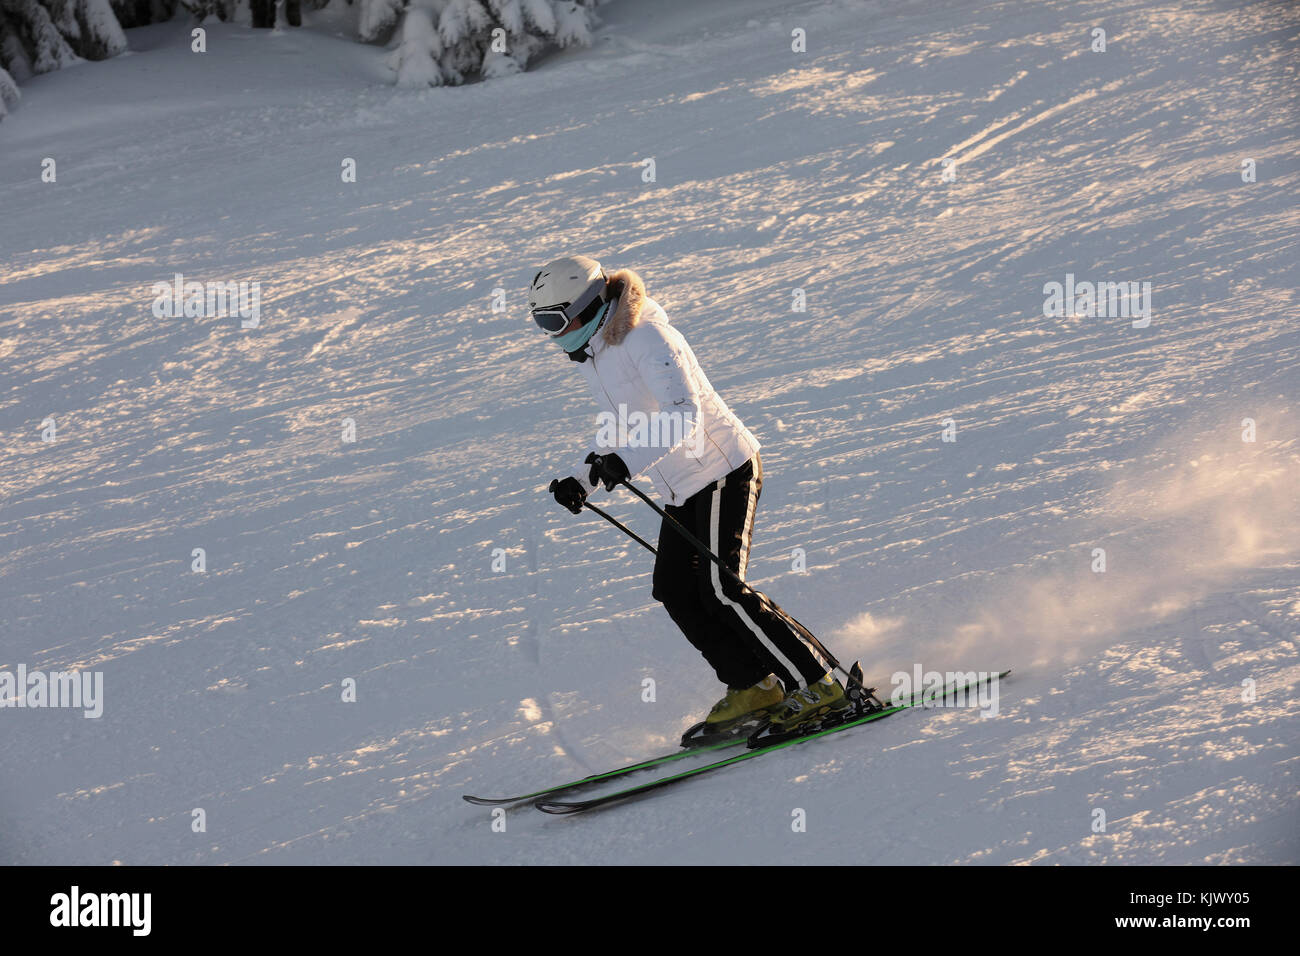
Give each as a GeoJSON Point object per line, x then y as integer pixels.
{"type": "Point", "coordinates": [568, 288]}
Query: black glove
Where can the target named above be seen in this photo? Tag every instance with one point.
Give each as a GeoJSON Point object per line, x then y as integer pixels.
{"type": "Point", "coordinates": [569, 493]}
{"type": "Point", "coordinates": [607, 468]}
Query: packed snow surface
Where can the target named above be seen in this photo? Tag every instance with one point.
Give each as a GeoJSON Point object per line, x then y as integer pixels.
{"type": "Point", "coordinates": [1160, 692]}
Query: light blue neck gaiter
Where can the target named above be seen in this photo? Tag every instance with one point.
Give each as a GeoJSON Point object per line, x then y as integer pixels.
{"type": "Point", "coordinates": [572, 341]}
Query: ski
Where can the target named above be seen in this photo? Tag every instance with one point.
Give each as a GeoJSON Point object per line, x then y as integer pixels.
{"type": "Point", "coordinates": [608, 775]}
{"type": "Point", "coordinates": [693, 742]}
{"type": "Point", "coordinates": [561, 807]}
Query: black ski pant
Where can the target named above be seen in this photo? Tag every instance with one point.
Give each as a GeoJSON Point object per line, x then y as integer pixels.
{"type": "Point", "coordinates": [742, 633]}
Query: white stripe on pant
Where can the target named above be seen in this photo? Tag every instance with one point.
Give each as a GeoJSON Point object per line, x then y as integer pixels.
{"type": "Point", "coordinates": [747, 532]}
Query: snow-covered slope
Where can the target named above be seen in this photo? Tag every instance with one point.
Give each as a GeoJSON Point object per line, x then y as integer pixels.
{"type": "Point", "coordinates": [822, 171]}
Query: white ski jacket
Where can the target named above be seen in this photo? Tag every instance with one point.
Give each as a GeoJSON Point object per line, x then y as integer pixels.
{"type": "Point", "coordinates": [658, 411]}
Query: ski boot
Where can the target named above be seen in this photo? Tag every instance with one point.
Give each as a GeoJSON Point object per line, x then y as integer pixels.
{"type": "Point", "coordinates": [741, 711]}
{"type": "Point", "coordinates": [807, 706]}
{"type": "Point", "coordinates": [825, 705]}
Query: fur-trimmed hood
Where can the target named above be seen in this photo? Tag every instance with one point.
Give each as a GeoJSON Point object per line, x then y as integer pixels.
{"type": "Point", "coordinates": [629, 288]}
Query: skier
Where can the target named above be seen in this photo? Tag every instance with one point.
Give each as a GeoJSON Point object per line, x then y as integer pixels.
{"type": "Point", "coordinates": [710, 476]}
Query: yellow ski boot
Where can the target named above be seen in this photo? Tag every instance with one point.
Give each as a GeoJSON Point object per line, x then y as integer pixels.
{"type": "Point", "coordinates": [808, 705]}
{"type": "Point", "coordinates": [744, 704]}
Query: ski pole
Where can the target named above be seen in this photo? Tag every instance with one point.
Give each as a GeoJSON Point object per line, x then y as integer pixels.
{"type": "Point", "coordinates": [703, 549]}
{"type": "Point", "coordinates": [622, 527]}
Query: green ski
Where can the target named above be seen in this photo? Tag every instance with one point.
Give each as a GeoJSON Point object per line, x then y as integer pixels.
{"type": "Point", "coordinates": [577, 806]}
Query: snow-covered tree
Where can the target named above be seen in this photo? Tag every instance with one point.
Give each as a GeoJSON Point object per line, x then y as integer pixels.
{"type": "Point", "coordinates": [101, 34]}
{"type": "Point", "coordinates": [541, 13]}
{"type": "Point", "coordinates": [63, 14]}
{"type": "Point", "coordinates": [13, 56]}
{"type": "Point", "coordinates": [200, 10]}
{"type": "Point", "coordinates": [139, 13]}
{"type": "Point", "coordinates": [8, 92]}
{"type": "Point", "coordinates": [378, 18]}
{"type": "Point", "coordinates": [41, 36]}
{"type": "Point", "coordinates": [487, 38]}
{"type": "Point", "coordinates": [45, 47]}
{"type": "Point", "coordinates": [432, 41]}
{"type": "Point", "coordinates": [498, 64]}
{"type": "Point", "coordinates": [419, 47]}
{"type": "Point", "coordinates": [510, 14]}
{"type": "Point", "coordinates": [572, 24]}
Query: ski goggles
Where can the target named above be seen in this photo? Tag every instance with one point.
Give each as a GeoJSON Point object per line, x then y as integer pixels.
{"type": "Point", "coordinates": [554, 319]}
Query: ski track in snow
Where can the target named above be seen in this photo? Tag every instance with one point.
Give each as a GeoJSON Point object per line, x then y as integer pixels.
{"type": "Point", "coordinates": [373, 560]}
